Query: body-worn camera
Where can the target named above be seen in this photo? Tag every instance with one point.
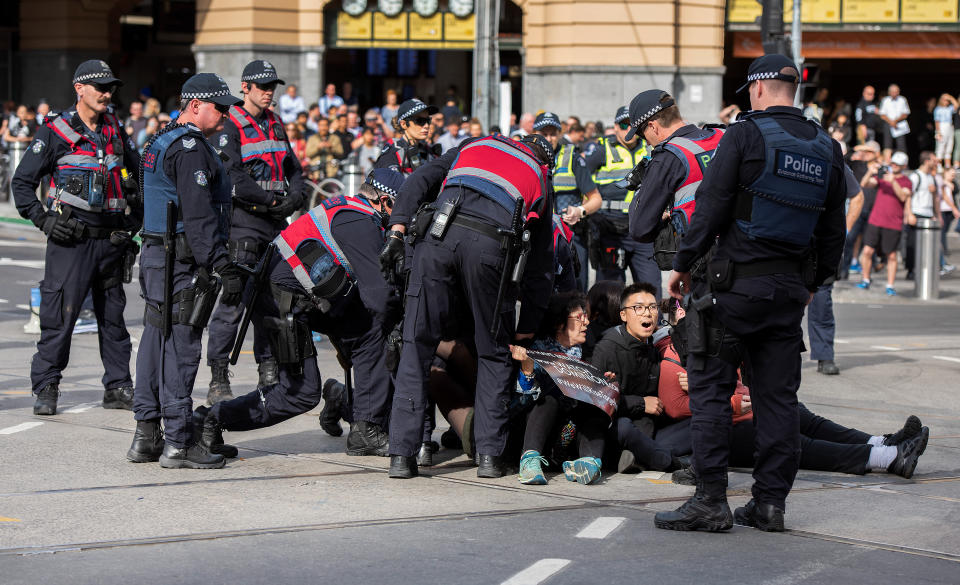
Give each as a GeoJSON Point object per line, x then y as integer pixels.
{"type": "Point", "coordinates": [633, 180]}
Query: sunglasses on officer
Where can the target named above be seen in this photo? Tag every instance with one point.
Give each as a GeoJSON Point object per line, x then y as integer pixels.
{"type": "Point", "coordinates": [421, 121]}
{"type": "Point", "coordinates": [271, 86]}
{"type": "Point", "coordinates": [219, 107]}
{"type": "Point", "coordinates": [624, 124]}
{"type": "Point", "coordinates": [104, 87]}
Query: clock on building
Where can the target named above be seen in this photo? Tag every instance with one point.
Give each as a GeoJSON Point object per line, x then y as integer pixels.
{"type": "Point", "coordinates": [354, 7]}
{"type": "Point", "coordinates": [390, 7]}
{"type": "Point", "coordinates": [426, 8]}
{"type": "Point", "coordinates": [461, 8]}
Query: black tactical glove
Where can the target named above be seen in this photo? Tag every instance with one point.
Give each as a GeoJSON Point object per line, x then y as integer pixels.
{"type": "Point", "coordinates": [391, 257]}
{"type": "Point", "coordinates": [56, 229]}
{"type": "Point", "coordinates": [393, 345]}
{"type": "Point", "coordinates": [232, 279]}
{"type": "Point", "coordinates": [284, 207]}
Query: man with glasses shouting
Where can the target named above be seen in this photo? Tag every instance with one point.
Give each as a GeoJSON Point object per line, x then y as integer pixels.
{"type": "Point", "coordinates": [85, 150]}
{"type": "Point", "coordinates": [611, 248]}
{"type": "Point", "coordinates": [268, 184]}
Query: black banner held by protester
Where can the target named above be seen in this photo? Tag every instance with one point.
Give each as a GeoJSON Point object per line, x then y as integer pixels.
{"type": "Point", "coordinates": [579, 380]}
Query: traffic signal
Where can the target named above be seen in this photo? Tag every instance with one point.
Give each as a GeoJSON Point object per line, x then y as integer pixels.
{"type": "Point", "coordinates": [810, 74]}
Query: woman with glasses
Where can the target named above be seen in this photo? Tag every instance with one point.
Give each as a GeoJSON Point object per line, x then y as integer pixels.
{"type": "Point", "coordinates": [411, 150]}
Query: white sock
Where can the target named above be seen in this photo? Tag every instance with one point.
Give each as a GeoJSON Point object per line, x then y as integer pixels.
{"type": "Point", "coordinates": [876, 441]}
{"type": "Point", "coordinates": [881, 457]}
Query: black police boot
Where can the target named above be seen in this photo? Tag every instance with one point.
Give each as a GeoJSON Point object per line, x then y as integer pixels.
{"type": "Point", "coordinates": [706, 510]}
{"type": "Point", "coordinates": [211, 434]}
{"type": "Point", "coordinates": [269, 372]}
{"type": "Point", "coordinates": [910, 429]}
{"type": "Point", "coordinates": [766, 517]}
{"type": "Point", "coordinates": [119, 398]}
{"type": "Point", "coordinates": [828, 367]}
{"type": "Point", "coordinates": [490, 466]}
{"type": "Point", "coordinates": [147, 442]}
{"type": "Point", "coordinates": [219, 382]}
{"type": "Point", "coordinates": [367, 438]}
{"type": "Point", "coordinates": [46, 403]}
{"type": "Point", "coordinates": [402, 467]}
{"type": "Point", "coordinates": [193, 457]}
{"type": "Point", "coordinates": [908, 453]}
{"type": "Point", "coordinates": [425, 455]}
{"type": "Point", "coordinates": [333, 394]}
{"type": "Point", "coordinates": [686, 475]}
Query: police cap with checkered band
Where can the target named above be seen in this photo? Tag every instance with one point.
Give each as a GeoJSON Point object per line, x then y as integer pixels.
{"type": "Point", "coordinates": [770, 67]}
{"type": "Point", "coordinates": [209, 87]}
{"type": "Point", "coordinates": [95, 71]}
{"type": "Point", "coordinates": [260, 72]}
{"type": "Point", "coordinates": [646, 105]}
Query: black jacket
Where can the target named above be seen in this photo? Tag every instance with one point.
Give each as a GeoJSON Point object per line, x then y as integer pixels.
{"type": "Point", "coordinates": [636, 364]}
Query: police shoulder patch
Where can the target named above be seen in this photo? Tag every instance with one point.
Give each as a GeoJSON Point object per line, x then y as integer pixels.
{"type": "Point", "coordinates": [37, 146]}
{"type": "Point", "coordinates": [331, 202]}
{"type": "Point", "coordinates": [201, 178]}
{"type": "Point", "coordinates": [223, 140]}
{"type": "Point", "coordinates": [189, 143]}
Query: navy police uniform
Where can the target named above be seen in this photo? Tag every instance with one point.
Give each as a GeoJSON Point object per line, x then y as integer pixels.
{"type": "Point", "coordinates": [487, 180]}
{"type": "Point", "coordinates": [400, 154]}
{"type": "Point", "coordinates": [89, 235]}
{"type": "Point", "coordinates": [181, 167]}
{"type": "Point", "coordinates": [267, 187]}
{"type": "Point", "coordinates": [773, 193]}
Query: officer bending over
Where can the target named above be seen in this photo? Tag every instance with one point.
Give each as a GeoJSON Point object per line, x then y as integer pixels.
{"type": "Point", "coordinates": [182, 175]}
{"type": "Point", "coordinates": [774, 193]}
{"type": "Point", "coordinates": [267, 187]}
{"type": "Point", "coordinates": [324, 276]}
{"type": "Point", "coordinates": [92, 162]}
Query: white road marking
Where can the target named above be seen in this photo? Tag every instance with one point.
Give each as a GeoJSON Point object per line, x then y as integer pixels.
{"type": "Point", "coordinates": [840, 341]}
{"type": "Point", "coordinates": [946, 358]}
{"type": "Point", "coordinates": [538, 572]}
{"type": "Point", "coordinates": [84, 407]}
{"type": "Point", "coordinates": [21, 263]}
{"type": "Point", "coordinates": [601, 527]}
{"type": "Point", "coordinates": [24, 307]}
{"type": "Point", "coordinates": [885, 347]}
{"type": "Point", "coordinates": [22, 244]}
{"type": "Point", "coordinates": [20, 427]}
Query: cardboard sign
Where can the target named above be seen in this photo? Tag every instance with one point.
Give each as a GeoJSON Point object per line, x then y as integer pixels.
{"type": "Point", "coordinates": [579, 380]}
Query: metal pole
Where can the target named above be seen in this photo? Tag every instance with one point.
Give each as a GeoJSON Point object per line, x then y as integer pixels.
{"type": "Point", "coordinates": [796, 43]}
{"type": "Point", "coordinates": [486, 63]}
{"type": "Point", "coordinates": [927, 280]}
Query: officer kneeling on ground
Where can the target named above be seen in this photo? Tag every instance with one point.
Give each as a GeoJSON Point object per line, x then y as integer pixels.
{"type": "Point", "coordinates": [324, 275]}
{"type": "Point", "coordinates": [186, 224]}
{"type": "Point", "coordinates": [92, 162]}
{"type": "Point", "coordinates": [774, 193]}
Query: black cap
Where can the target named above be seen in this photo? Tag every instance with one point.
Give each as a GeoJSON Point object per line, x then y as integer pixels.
{"type": "Point", "coordinates": [622, 114]}
{"type": "Point", "coordinates": [95, 71]}
{"type": "Point", "coordinates": [260, 72]}
{"type": "Point", "coordinates": [542, 143]}
{"type": "Point", "coordinates": [209, 87]}
{"type": "Point", "coordinates": [547, 119]}
{"type": "Point", "coordinates": [769, 67]}
{"type": "Point", "coordinates": [387, 181]}
{"type": "Point", "coordinates": [410, 107]}
{"type": "Point", "coordinates": [644, 106]}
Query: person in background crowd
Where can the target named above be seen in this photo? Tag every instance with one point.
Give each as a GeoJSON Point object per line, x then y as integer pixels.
{"type": "Point", "coordinates": [885, 224]}
{"type": "Point", "coordinates": [863, 155]}
{"type": "Point", "coordinates": [22, 126]}
{"type": "Point", "coordinates": [924, 203]}
{"type": "Point", "coordinates": [526, 125]}
{"type": "Point", "coordinates": [314, 115]}
{"type": "Point", "coordinates": [298, 144]}
{"type": "Point", "coordinates": [949, 212]}
{"type": "Point", "coordinates": [349, 99]}
{"type": "Point", "coordinates": [867, 118]}
{"type": "Point", "coordinates": [367, 151]}
{"type": "Point", "coordinates": [452, 138]}
{"type": "Point", "coordinates": [152, 127]}
{"type": "Point", "coordinates": [330, 99]}
{"type": "Point", "coordinates": [136, 121]}
{"type": "Point", "coordinates": [151, 107]}
{"type": "Point", "coordinates": [338, 127]}
{"type": "Point", "coordinates": [943, 118]}
{"type": "Point", "coordinates": [894, 111]}
{"type": "Point", "coordinates": [353, 125]}
{"type": "Point", "coordinates": [323, 150]}
{"type": "Point", "coordinates": [389, 109]}
{"type": "Point", "coordinates": [476, 128]}
{"type": "Point", "coordinates": [290, 104]}
{"type": "Point", "coordinates": [575, 134]}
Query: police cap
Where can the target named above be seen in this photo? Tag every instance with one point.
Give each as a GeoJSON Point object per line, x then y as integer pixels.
{"type": "Point", "coordinates": [260, 72]}
{"type": "Point", "coordinates": [542, 143]}
{"type": "Point", "coordinates": [95, 71]}
{"type": "Point", "coordinates": [208, 87]}
{"type": "Point", "coordinates": [769, 67]}
{"type": "Point", "coordinates": [410, 107]}
{"type": "Point", "coordinates": [545, 119]}
{"type": "Point", "coordinates": [622, 114]}
{"type": "Point", "coordinates": [646, 105]}
{"type": "Point", "coordinates": [387, 181]}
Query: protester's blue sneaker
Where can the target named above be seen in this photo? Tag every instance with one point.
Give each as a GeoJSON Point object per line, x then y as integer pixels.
{"type": "Point", "coordinates": [531, 470]}
{"type": "Point", "coordinates": [891, 292]}
{"type": "Point", "coordinates": [585, 470]}
{"type": "Point", "coordinates": [855, 268]}
{"type": "Point", "coordinates": [864, 284]}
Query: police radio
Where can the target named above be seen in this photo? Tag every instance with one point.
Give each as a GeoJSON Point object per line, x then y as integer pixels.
{"type": "Point", "coordinates": [412, 154]}
{"type": "Point", "coordinates": [633, 179]}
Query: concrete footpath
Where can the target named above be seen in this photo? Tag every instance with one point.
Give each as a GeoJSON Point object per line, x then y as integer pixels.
{"type": "Point", "coordinates": [295, 509]}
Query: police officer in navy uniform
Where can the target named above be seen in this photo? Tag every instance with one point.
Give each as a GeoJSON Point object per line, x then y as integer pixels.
{"type": "Point", "coordinates": [773, 193]}
{"type": "Point", "coordinates": [325, 275]}
{"type": "Point", "coordinates": [564, 257]}
{"type": "Point", "coordinates": [181, 167]}
{"type": "Point", "coordinates": [411, 150]}
{"type": "Point", "coordinates": [267, 187]}
{"type": "Point", "coordinates": [569, 172]}
{"type": "Point", "coordinates": [664, 200]}
{"type": "Point", "coordinates": [88, 154]}
{"type": "Point", "coordinates": [613, 250]}
{"type": "Point", "coordinates": [490, 189]}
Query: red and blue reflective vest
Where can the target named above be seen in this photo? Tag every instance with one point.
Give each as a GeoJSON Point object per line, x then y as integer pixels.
{"type": "Point", "coordinates": [504, 170]}
{"type": "Point", "coordinates": [560, 230]}
{"type": "Point", "coordinates": [695, 156]}
{"type": "Point", "coordinates": [315, 226]}
{"type": "Point", "coordinates": [86, 161]}
{"type": "Point", "coordinates": [262, 152]}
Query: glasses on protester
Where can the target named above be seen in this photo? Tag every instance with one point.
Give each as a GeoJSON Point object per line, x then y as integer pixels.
{"type": "Point", "coordinates": [581, 317]}
{"type": "Point", "coordinates": [641, 309]}
{"type": "Point", "coordinates": [420, 121]}
{"type": "Point", "coordinates": [624, 125]}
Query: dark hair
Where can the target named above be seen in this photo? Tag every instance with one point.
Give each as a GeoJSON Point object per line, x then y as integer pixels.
{"type": "Point", "coordinates": [604, 299]}
{"type": "Point", "coordinates": [666, 116]}
{"type": "Point", "coordinates": [576, 127]}
{"type": "Point", "coordinates": [637, 287]}
{"type": "Point", "coordinates": [558, 309]}
{"type": "Point", "coordinates": [926, 155]}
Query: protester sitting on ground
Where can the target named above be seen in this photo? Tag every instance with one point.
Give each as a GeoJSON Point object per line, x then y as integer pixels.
{"type": "Point", "coordinates": [824, 444]}
{"type": "Point", "coordinates": [603, 304]}
{"type": "Point", "coordinates": [562, 330]}
{"type": "Point", "coordinates": [885, 224]}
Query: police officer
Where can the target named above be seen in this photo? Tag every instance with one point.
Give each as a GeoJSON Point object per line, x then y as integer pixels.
{"type": "Point", "coordinates": [411, 150]}
{"type": "Point", "coordinates": [774, 193]}
{"type": "Point", "coordinates": [491, 189]}
{"type": "Point", "coordinates": [182, 174]}
{"type": "Point", "coordinates": [612, 251]}
{"type": "Point", "coordinates": [664, 202]}
{"type": "Point", "coordinates": [569, 171]}
{"type": "Point", "coordinates": [564, 257]}
{"type": "Point", "coordinates": [324, 275]}
{"type": "Point", "coordinates": [267, 187]}
{"type": "Point", "coordinates": [89, 155]}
